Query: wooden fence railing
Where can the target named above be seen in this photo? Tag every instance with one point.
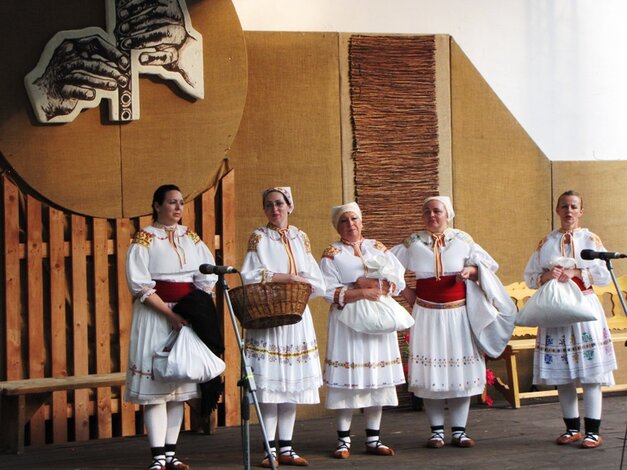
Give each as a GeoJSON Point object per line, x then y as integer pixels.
{"type": "Point", "coordinates": [66, 309]}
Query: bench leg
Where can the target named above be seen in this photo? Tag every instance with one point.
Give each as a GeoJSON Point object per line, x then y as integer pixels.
{"type": "Point", "coordinates": [510, 391]}
{"type": "Point", "coordinates": [13, 416]}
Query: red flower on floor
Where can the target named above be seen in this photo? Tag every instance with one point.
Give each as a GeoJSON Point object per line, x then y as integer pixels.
{"type": "Point", "coordinates": [490, 378]}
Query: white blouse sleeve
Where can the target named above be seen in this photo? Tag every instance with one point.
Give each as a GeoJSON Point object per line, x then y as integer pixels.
{"type": "Point", "coordinates": [205, 282]}
{"type": "Point", "coordinates": [533, 270]}
{"type": "Point", "coordinates": [479, 255]}
{"type": "Point", "coordinates": [311, 272]}
{"type": "Point", "coordinates": [138, 276]}
{"type": "Point", "coordinates": [400, 273]}
{"type": "Point", "coordinates": [401, 253]}
{"type": "Point", "coordinates": [331, 277]}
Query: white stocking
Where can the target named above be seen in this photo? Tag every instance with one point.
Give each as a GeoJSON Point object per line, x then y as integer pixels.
{"type": "Point", "coordinates": [435, 411]}
{"type": "Point", "coordinates": [269, 412]}
{"type": "Point", "coordinates": [176, 410]}
{"type": "Point", "coordinates": [373, 416]}
{"type": "Point", "coordinates": [344, 418]}
{"type": "Point", "coordinates": [567, 394]}
{"type": "Point", "coordinates": [156, 422]}
{"type": "Point", "coordinates": [592, 400]}
{"type": "Point", "coordinates": [287, 417]}
{"type": "Point", "coordinates": [458, 411]}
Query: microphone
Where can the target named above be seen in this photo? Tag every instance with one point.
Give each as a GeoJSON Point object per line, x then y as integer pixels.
{"type": "Point", "coordinates": [211, 269]}
{"type": "Point", "coordinates": [591, 254]}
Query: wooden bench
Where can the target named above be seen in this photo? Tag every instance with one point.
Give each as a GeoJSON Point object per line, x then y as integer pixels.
{"type": "Point", "coordinates": [20, 399]}
{"type": "Point", "coordinates": [524, 338]}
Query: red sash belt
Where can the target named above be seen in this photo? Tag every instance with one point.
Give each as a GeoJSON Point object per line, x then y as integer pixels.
{"type": "Point", "coordinates": [173, 291]}
{"type": "Point", "coordinates": [447, 289]}
{"type": "Point", "coordinates": [582, 287]}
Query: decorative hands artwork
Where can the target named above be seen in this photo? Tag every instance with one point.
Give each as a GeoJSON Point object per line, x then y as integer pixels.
{"type": "Point", "coordinates": [78, 69]}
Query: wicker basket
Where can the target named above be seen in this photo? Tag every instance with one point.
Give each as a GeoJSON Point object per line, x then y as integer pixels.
{"type": "Point", "coordinates": [266, 305]}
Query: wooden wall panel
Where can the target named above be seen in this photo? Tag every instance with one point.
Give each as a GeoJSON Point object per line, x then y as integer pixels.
{"type": "Point", "coordinates": [290, 136]}
{"type": "Point", "coordinates": [80, 321]}
{"type": "Point", "coordinates": [58, 336]}
{"type": "Point", "coordinates": [602, 186]}
{"type": "Point", "coordinates": [35, 311]}
{"type": "Point", "coordinates": [125, 308]}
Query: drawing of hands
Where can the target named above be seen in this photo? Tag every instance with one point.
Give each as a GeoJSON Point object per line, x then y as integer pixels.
{"type": "Point", "coordinates": [78, 69]}
{"type": "Point", "coordinates": [162, 33]}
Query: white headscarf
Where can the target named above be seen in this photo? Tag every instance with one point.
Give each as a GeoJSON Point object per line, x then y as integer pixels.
{"type": "Point", "coordinates": [337, 212]}
{"type": "Point", "coordinates": [286, 191]}
{"type": "Point", "coordinates": [446, 201]}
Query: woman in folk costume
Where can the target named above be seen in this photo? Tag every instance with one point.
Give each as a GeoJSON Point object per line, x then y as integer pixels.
{"type": "Point", "coordinates": [161, 268]}
{"type": "Point", "coordinates": [445, 363]}
{"type": "Point", "coordinates": [284, 359]}
{"type": "Point", "coordinates": [361, 370]}
{"type": "Point", "coordinates": [580, 353]}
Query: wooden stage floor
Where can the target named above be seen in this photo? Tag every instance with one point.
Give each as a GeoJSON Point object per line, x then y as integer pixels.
{"type": "Point", "coordinates": [506, 439]}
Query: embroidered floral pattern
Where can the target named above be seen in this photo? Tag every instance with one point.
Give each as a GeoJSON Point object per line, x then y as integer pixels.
{"type": "Point", "coordinates": [194, 237]}
{"type": "Point", "coordinates": [306, 242]}
{"type": "Point", "coordinates": [365, 365]}
{"type": "Point", "coordinates": [380, 246]}
{"type": "Point", "coordinates": [330, 252]}
{"type": "Point", "coordinates": [570, 350]}
{"type": "Point", "coordinates": [446, 362]}
{"type": "Point", "coordinates": [410, 240]}
{"type": "Point", "coordinates": [253, 241]}
{"type": "Point", "coordinates": [289, 354]}
{"type": "Point", "coordinates": [143, 238]}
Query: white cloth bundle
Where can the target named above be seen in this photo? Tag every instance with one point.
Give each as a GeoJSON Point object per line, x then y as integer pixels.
{"type": "Point", "coordinates": [556, 303]}
{"type": "Point", "coordinates": [377, 316]}
{"type": "Point", "coordinates": [184, 358]}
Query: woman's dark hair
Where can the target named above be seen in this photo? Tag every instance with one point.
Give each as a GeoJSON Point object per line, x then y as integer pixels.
{"type": "Point", "coordinates": [570, 192]}
{"type": "Point", "coordinates": [159, 196]}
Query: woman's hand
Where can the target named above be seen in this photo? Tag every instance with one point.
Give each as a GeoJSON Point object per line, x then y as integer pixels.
{"type": "Point", "coordinates": [559, 273]}
{"type": "Point", "coordinates": [409, 295]}
{"type": "Point", "coordinates": [468, 273]}
{"type": "Point", "coordinates": [372, 293]}
{"type": "Point", "coordinates": [369, 283]}
{"type": "Point", "coordinates": [176, 321]}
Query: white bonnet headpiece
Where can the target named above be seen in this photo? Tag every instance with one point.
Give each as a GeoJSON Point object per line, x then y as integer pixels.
{"type": "Point", "coordinates": [286, 191]}
{"type": "Point", "coordinates": [446, 201]}
{"type": "Point", "coordinates": [337, 212]}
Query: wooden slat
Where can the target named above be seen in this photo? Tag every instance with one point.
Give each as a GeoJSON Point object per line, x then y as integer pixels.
{"type": "Point", "coordinates": [58, 337]}
{"type": "Point", "coordinates": [36, 339]}
{"type": "Point", "coordinates": [12, 286]}
{"type": "Point", "coordinates": [208, 219]}
{"type": "Point", "coordinates": [231, 348]}
{"type": "Point", "coordinates": [52, 384]}
{"type": "Point", "coordinates": [144, 221]}
{"type": "Point", "coordinates": [125, 307]}
{"type": "Point", "coordinates": [208, 232]}
{"type": "Point", "coordinates": [102, 323]}
{"type": "Point", "coordinates": [80, 320]}
{"type": "Point", "coordinates": [189, 215]}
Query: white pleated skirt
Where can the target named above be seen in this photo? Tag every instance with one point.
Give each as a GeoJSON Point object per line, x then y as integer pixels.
{"type": "Point", "coordinates": [285, 362]}
{"type": "Point", "coordinates": [444, 361]}
{"type": "Point", "coordinates": [582, 352]}
{"type": "Point", "coordinates": [361, 370]}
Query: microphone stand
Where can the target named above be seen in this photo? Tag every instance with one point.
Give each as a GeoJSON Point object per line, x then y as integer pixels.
{"type": "Point", "coordinates": [608, 263]}
{"type": "Point", "coordinates": [248, 389]}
